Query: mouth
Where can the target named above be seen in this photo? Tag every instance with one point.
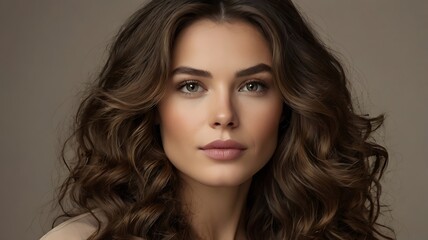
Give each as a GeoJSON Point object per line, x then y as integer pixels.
{"type": "Point", "coordinates": [223, 150]}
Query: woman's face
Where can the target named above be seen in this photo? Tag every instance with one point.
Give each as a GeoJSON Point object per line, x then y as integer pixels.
{"type": "Point", "coordinates": [221, 89]}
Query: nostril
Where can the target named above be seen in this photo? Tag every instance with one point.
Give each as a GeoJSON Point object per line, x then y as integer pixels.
{"type": "Point", "coordinates": [229, 124]}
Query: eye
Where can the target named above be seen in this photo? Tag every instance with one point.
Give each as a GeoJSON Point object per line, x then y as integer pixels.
{"type": "Point", "coordinates": [253, 86]}
{"type": "Point", "coordinates": [189, 87]}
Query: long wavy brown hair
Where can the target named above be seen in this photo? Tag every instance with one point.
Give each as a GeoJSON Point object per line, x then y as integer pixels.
{"type": "Point", "coordinates": [321, 183]}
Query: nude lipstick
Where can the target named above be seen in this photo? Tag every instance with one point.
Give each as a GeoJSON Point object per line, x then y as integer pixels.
{"type": "Point", "coordinates": [223, 150]}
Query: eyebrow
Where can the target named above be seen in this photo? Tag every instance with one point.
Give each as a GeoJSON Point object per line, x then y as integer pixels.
{"type": "Point", "coordinates": [241, 73]}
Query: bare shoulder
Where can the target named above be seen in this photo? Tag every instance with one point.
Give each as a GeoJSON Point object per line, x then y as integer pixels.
{"type": "Point", "coordinates": [76, 228]}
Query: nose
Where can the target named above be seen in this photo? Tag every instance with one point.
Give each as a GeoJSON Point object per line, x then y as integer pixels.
{"type": "Point", "coordinates": [224, 112]}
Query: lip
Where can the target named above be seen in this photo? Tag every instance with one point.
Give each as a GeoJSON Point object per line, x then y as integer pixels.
{"type": "Point", "coordinates": [223, 149]}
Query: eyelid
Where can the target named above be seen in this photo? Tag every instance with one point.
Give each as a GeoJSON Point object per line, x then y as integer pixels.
{"type": "Point", "coordinates": [263, 84]}
{"type": "Point", "coordinates": [183, 83]}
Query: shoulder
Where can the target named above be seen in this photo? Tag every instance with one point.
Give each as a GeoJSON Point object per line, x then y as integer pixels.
{"type": "Point", "coordinates": [76, 228]}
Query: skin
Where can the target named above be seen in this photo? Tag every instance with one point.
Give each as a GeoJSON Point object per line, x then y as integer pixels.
{"type": "Point", "coordinates": [219, 104]}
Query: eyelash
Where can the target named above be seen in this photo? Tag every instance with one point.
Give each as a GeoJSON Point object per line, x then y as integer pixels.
{"type": "Point", "coordinates": [185, 83]}
{"type": "Point", "coordinates": [259, 83]}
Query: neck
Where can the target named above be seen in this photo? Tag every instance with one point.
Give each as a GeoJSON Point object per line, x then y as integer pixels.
{"type": "Point", "coordinates": [215, 212]}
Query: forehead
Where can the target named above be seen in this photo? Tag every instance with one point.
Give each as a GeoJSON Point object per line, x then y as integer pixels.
{"type": "Point", "coordinates": [205, 43]}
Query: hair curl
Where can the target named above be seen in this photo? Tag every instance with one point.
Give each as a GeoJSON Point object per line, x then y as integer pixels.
{"type": "Point", "coordinates": [321, 183]}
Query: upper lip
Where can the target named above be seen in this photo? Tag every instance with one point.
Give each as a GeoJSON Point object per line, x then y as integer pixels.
{"type": "Point", "coordinates": [224, 144]}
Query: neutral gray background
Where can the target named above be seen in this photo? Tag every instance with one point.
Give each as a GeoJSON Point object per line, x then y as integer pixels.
{"type": "Point", "coordinates": [50, 48]}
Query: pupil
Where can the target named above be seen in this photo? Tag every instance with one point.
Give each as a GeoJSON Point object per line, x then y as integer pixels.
{"type": "Point", "coordinates": [251, 86]}
{"type": "Point", "coordinates": [191, 87]}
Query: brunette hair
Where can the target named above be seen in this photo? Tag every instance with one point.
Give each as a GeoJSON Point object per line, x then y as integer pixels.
{"type": "Point", "coordinates": [321, 183]}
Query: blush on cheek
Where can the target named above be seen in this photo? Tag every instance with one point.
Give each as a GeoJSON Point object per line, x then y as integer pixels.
{"type": "Point", "coordinates": [266, 117]}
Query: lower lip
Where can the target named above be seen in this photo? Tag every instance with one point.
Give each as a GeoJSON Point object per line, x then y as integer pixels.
{"type": "Point", "coordinates": [223, 154]}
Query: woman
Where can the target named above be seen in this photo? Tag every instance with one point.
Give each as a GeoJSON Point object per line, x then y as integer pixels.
{"type": "Point", "coordinates": [221, 120]}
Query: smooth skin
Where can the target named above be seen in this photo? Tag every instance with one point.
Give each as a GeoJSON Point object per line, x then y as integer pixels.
{"type": "Point", "coordinates": [221, 88]}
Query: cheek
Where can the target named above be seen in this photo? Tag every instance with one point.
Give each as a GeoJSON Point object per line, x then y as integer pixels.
{"type": "Point", "coordinates": [262, 122]}
{"type": "Point", "coordinates": [267, 118]}
{"type": "Point", "coordinates": [179, 121]}
{"type": "Point", "coordinates": [263, 118]}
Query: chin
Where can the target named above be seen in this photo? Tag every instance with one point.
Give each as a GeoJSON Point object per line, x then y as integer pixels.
{"type": "Point", "coordinates": [224, 179]}
{"type": "Point", "coordinates": [225, 183]}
